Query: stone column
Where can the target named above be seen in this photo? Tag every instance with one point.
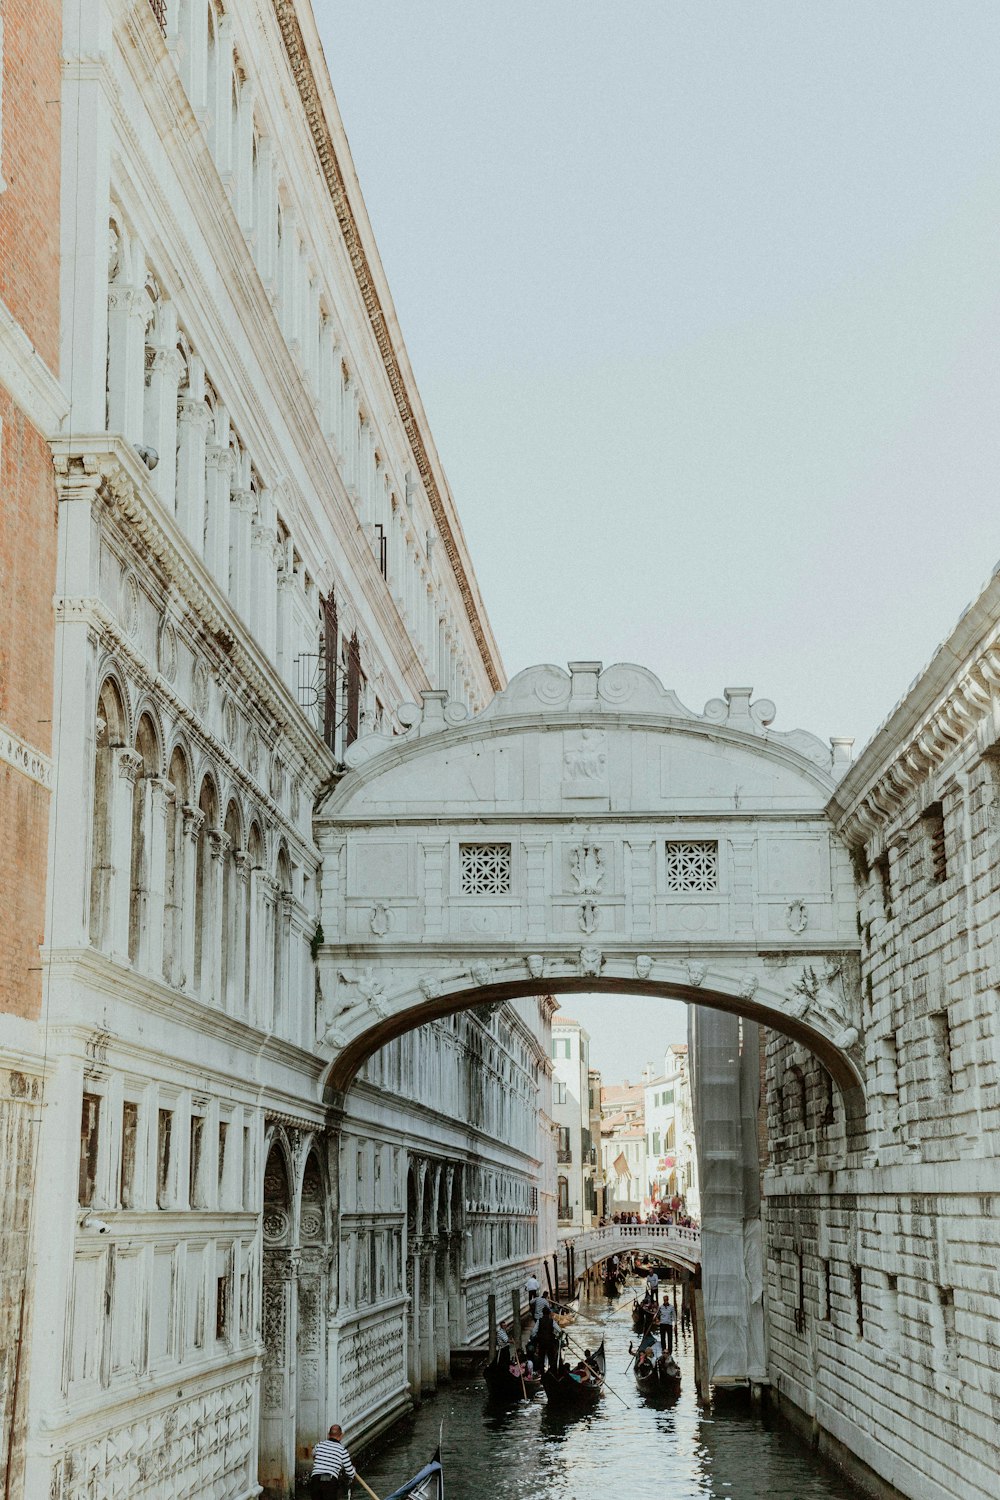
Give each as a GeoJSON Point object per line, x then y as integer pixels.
{"type": "Point", "coordinates": [193, 35]}
{"type": "Point", "coordinates": [218, 481]}
{"type": "Point", "coordinates": [219, 845]}
{"type": "Point", "coordinates": [194, 820]}
{"type": "Point", "coordinates": [428, 1355]}
{"type": "Point", "coordinates": [220, 101]}
{"type": "Point", "coordinates": [241, 532]}
{"type": "Point", "coordinates": [536, 908]}
{"type": "Point", "coordinates": [126, 767]}
{"type": "Point", "coordinates": [238, 951]}
{"type": "Point", "coordinates": [160, 425]}
{"type": "Point", "coordinates": [161, 794]}
{"type": "Point", "coordinates": [127, 304]}
{"type": "Point", "coordinates": [243, 158]}
{"type": "Point", "coordinates": [284, 644]}
{"type": "Point", "coordinates": [192, 431]}
{"type": "Point", "coordinates": [264, 578]}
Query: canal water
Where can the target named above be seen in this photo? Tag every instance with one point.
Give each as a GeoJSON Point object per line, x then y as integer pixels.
{"type": "Point", "coordinates": [626, 1449]}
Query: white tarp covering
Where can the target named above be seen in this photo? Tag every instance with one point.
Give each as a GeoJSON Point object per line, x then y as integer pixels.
{"type": "Point", "coordinates": [725, 1077]}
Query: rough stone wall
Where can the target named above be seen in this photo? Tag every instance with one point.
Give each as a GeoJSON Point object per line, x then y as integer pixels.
{"type": "Point", "coordinates": [882, 1256]}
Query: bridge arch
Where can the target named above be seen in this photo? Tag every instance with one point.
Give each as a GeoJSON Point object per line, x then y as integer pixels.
{"type": "Point", "coordinates": [587, 832]}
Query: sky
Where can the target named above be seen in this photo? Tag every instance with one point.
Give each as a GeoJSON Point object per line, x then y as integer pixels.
{"type": "Point", "coordinates": [703, 302]}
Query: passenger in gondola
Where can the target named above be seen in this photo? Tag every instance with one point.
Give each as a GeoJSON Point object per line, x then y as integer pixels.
{"type": "Point", "coordinates": [581, 1373]}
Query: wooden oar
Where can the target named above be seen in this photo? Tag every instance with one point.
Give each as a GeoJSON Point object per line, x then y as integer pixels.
{"type": "Point", "coordinates": [604, 1378]}
{"type": "Point", "coordinates": [366, 1486]}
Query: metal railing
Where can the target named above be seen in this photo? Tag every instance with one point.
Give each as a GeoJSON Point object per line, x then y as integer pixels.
{"type": "Point", "coordinates": [564, 1154]}
{"type": "Point", "coordinates": [159, 9]}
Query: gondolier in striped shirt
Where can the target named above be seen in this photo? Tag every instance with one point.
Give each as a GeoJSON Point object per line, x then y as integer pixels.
{"type": "Point", "coordinates": [332, 1469]}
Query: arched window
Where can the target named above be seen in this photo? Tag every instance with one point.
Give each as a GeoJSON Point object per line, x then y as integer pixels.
{"type": "Point", "coordinates": [110, 735]}
{"type": "Point", "coordinates": [139, 875]}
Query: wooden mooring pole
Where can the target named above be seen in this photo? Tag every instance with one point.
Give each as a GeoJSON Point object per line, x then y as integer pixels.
{"type": "Point", "coordinates": [491, 1313]}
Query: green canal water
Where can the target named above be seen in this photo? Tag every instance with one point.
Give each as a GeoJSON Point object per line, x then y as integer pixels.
{"type": "Point", "coordinates": [626, 1449]}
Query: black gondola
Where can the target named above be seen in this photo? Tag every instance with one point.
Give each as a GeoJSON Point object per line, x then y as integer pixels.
{"type": "Point", "coordinates": [658, 1377]}
{"type": "Point", "coordinates": [612, 1287]}
{"type": "Point", "coordinates": [643, 1316]}
{"type": "Point", "coordinates": [504, 1384]}
{"type": "Point", "coordinates": [563, 1388]}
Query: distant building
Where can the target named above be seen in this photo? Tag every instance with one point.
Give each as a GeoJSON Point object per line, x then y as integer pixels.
{"type": "Point", "coordinates": [671, 1164]}
{"type": "Point", "coordinates": [576, 1155]}
{"type": "Point", "coordinates": [623, 1146]}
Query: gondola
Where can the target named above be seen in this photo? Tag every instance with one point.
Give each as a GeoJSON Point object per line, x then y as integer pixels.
{"type": "Point", "coordinates": [564, 1313]}
{"type": "Point", "coordinates": [564, 1390]}
{"type": "Point", "coordinates": [612, 1287]}
{"type": "Point", "coordinates": [504, 1384]}
{"type": "Point", "coordinates": [642, 1317]}
{"type": "Point", "coordinates": [658, 1377]}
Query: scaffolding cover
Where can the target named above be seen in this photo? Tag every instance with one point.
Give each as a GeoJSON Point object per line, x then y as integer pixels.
{"type": "Point", "coordinates": [725, 1076]}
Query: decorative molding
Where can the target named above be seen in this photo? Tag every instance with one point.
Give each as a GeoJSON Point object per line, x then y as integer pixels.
{"type": "Point", "coordinates": [25, 758]}
{"type": "Point", "coordinates": [305, 81]}
{"type": "Point", "coordinates": [27, 379]}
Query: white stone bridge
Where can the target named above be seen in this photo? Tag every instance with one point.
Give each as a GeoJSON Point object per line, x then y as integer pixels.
{"type": "Point", "coordinates": [669, 1241]}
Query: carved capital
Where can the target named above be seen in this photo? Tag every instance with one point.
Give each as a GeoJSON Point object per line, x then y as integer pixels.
{"type": "Point", "coordinates": [219, 843]}
{"type": "Point", "coordinates": [243, 866]}
{"type": "Point", "coordinates": [194, 820]}
{"type": "Point", "coordinates": [129, 765]}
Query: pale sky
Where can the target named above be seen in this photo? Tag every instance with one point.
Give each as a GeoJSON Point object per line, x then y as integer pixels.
{"type": "Point", "coordinates": [703, 302]}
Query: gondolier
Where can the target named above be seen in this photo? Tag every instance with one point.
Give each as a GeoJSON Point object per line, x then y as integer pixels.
{"type": "Point", "coordinates": [332, 1470]}
{"type": "Point", "coordinates": [667, 1320]}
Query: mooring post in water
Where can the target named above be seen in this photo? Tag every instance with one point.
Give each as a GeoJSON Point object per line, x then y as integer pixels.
{"type": "Point", "coordinates": [491, 1313]}
{"type": "Point", "coordinates": [515, 1315]}
{"type": "Point", "coordinates": [548, 1277]}
{"type": "Point", "coordinates": [555, 1273]}
{"type": "Point", "coordinates": [700, 1344]}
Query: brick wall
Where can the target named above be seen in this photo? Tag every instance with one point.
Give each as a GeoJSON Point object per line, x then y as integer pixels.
{"type": "Point", "coordinates": [29, 207]}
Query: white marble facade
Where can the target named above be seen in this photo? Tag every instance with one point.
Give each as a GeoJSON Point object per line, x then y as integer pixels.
{"type": "Point", "coordinates": [252, 511]}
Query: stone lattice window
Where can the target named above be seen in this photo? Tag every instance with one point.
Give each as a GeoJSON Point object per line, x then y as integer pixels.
{"type": "Point", "coordinates": [692, 865]}
{"type": "Point", "coordinates": [485, 869]}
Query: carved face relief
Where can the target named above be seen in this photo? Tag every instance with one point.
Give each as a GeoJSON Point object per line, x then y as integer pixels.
{"type": "Point", "coordinates": [748, 986]}
{"type": "Point", "coordinates": [481, 971]}
{"type": "Point", "coordinates": [643, 966]}
{"type": "Point", "coordinates": [591, 962]}
{"type": "Point", "coordinates": [696, 973]}
{"type": "Point", "coordinates": [536, 965]}
{"type": "Point", "coordinates": [429, 986]}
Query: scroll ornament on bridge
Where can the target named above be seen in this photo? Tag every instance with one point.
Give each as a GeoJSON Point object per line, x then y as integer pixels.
{"type": "Point", "coordinates": [370, 998]}
{"type": "Point", "coordinates": [820, 999]}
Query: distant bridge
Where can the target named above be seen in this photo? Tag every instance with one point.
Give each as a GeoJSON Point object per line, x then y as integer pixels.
{"type": "Point", "coordinates": [671, 1241]}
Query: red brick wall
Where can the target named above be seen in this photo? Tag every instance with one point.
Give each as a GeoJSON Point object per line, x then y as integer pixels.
{"type": "Point", "coordinates": [29, 286]}
{"type": "Point", "coordinates": [29, 208]}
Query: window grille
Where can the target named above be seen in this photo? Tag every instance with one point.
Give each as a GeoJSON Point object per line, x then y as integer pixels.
{"type": "Point", "coordinates": [159, 9]}
{"type": "Point", "coordinates": [382, 543]}
{"type": "Point", "coordinates": [485, 869]}
{"type": "Point", "coordinates": [692, 866]}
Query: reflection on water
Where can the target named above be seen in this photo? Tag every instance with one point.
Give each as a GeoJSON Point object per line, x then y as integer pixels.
{"type": "Point", "coordinates": [627, 1448]}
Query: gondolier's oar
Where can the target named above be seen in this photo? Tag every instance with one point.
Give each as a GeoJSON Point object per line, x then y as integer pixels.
{"type": "Point", "coordinates": [604, 1377]}
{"type": "Point", "coordinates": [365, 1486]}
{"type": "Point", "coordinates": [648, 1327]}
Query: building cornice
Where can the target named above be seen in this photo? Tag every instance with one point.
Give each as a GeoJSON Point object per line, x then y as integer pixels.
{"type": "Point", "coordinates": [319, 111]}
{"type": "Point", "coordinates": [954, 702]}
{"type": "Point", "coordinates": [27, 378]}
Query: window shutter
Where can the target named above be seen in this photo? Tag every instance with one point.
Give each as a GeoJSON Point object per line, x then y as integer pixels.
{"type": "Point", "coordinates": [330, 649]}
{"type": "Point", "coordinates": [353, 690]}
